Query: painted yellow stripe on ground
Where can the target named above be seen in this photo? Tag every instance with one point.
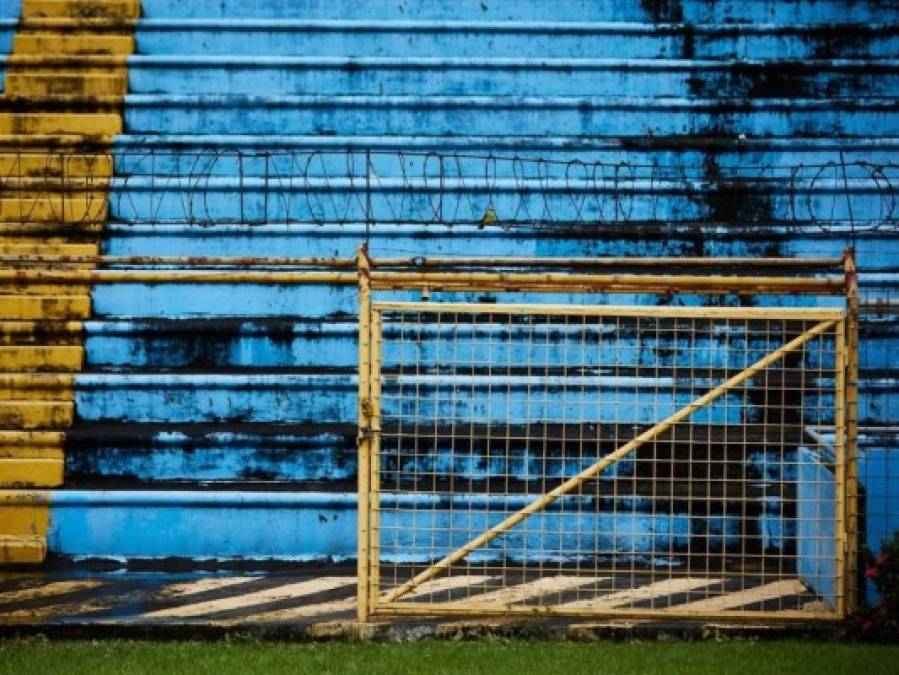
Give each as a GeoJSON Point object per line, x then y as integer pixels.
{"type": "Point", "coordinates": [202, 585]}
{"type": "Point", "coordinates": [54, 43]}
{"type": "Point", "coordinates": [301, 612]}
{"type": "Point", "coordinates": [526, 591]}
{"type": "Point", "coordinates": [776, 589]}
{"type": "Point", "coordinates": [44, 307]}
{"type": "Point", "coordinates": [349, 603]}
{"type": "Point", "coordinates": [67, 358]}
{"type": "Point", "coordinates": [48, 590]}
{"type": "Point", "coordinates": [631, 595]}
{"type": "Point", "coordinates": [447, 584]}
{"type": "Point", "coordinates": [246, 600]}
{"type": "Point", "coordinates": [31, 472]}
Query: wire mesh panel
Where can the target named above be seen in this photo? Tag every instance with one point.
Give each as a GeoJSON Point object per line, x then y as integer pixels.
{"type": "Point", "coordinates": [606, 460]}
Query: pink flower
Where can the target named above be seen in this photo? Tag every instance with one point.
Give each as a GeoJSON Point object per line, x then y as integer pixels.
{"type": "Point", "coordinates": [871, 573]}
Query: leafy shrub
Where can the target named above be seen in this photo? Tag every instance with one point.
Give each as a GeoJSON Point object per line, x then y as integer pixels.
{"type": "Point", "coordinates": [880, 621]}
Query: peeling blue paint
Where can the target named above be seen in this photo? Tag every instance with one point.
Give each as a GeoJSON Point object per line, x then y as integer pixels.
{"type": "Point", "coordinates": [753, 90]}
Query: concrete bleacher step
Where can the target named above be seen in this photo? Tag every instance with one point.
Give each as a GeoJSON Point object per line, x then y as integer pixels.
{"type": "Point", "coordinates": [39, 83]}
{"type": "Point", "coordinates": [31, 358]}
{"type": "Point", "coordinates": [44, 207]}
{"type": "Point", "coordinates": [29, 307]}
{"type": "Point", "coordinates": [153, 453]}
{"type": "Point", "coordinates": [248, 344]}
{"type": "Point", "coordinates": [517, 38]}
{"type": "Point", "coordinates": [40, 247]}
{"type": "Point", "coordinates": [72, 164]}
{"type": "Point", "coordinates": [103, 125]}
{"type": "Point", "coordinates": [22, 549]}
{"type": "Point", "coordinates": [35, 414]}
{"type": "Point", "coordinates": [65, 42]}
{"type": "Point", "coordinates": [687, 11]}
{"type": "Point", "coordinates": [82, 9]}
{"type": "Point", "coordinates": [31, 467]}
{"type": "Point", "coordinates": [494, 115]}
{"type": "Point", "coordinates": [443, 75]}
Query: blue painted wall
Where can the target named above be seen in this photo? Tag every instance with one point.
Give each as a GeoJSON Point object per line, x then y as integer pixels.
{"type": "Point", "coordinates": [659, 106]}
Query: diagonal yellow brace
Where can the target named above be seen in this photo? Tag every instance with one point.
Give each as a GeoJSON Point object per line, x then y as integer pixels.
{"type": "Point", "coordinates": [548, 498]}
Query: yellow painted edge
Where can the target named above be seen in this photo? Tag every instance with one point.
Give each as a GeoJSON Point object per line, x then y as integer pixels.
{"type": "Point", "coordinates": [39, 84]}
{"type": "Point", "coordinates": [83, 124]}
{"type": "Point", "coordinates": [22, 452]}
{"type": "Point", "coordinates": [24, 521]}
{"type": "Point", "coordinates": [36, 414]}
{"type": "Point", "coordinates": [31, 471]}
{"type": "Point", "coordinates": [54, 43]}
{"type": "Point", "coordinates": [81, 8]}
{"type": "Point", "coordinates": [44, 307]}
{"type": "Point", "coordinates": [28, 440]}
{"type": "Point", "coordinates": [36, 380]}
{"type": "Point", "coordinates": [22, 550]}
{"type": "Point", "coordinates": [31, 248]}
{"type": "Point", "coordinates": [68, 358]}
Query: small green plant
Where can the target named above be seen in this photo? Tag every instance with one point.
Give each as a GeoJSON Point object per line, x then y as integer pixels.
{"type": "Point", "coordinates": [880, 621]}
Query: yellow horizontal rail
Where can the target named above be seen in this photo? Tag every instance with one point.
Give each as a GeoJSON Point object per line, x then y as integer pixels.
{"type": "Point", "coordinates": [500, 281]}
{"type": "Point", "coordinates": [664, 311]}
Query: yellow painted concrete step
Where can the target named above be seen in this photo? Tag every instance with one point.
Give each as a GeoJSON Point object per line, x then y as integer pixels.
{"type": "Point", "coordinates": [46, 84]}
{"type": "Point", "coordinates": [26, 414]}
{"type": "Point", "coordinates": [24, 512]}
{"type": "Point", "coordinates": [29, 187]}
{"type": "Point", "coordinates": [55, 208]}
{"type": "Point", "coordinates": [31, 440]}
{"type": "Point", "coordinates": [34, 288]}
{"type": "Point", "coordinates": [40, 333]}
{"type": "Point", "coordinates": [32, 469]}
{"type": "Point", "coordinates": [44, 307]}
{"type": "Point", "coordinates": [64, 144]}
{"type": "Point", "coordinates": [82, 124]}
{"type": "Point", "coordinates": [82, 9]}
{"type": "Point", "coordinates": [22, 550]}
{"type": "Point", "coordinates": [31, 358]}
{"type": "Point", "coordinates": [38, 248]}
{"type": "Point", "coordinates": [52, 233]}
{"type": "Point", "coordinates": [57, 163]}
{"type": "Point", "coordinates": [56, 43]}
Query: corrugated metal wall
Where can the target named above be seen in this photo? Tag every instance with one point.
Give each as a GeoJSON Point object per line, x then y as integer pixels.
{"type": "Point", "coordinates": [679, 127]}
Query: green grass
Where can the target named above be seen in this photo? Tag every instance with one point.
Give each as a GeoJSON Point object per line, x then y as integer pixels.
{"type": "Point", "coordinates": [22, 657]}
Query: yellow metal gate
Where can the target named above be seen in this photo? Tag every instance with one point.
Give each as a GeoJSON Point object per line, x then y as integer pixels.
{"type": "Point", "coordinates": [603, 460]}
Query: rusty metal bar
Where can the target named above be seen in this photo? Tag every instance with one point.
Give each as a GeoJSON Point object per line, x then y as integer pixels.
{"type": "Point", "coordinates": [851, 423]}
{"type": "Point", "coordinates": [364, 440]}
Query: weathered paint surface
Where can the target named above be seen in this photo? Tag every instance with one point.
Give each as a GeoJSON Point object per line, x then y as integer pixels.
{"type": "Point", "coordinates": [34, 404]}
{"type": "Point", "coordinates": [321, 526]}
{"type": "Point", "coordinates": [254, 382]}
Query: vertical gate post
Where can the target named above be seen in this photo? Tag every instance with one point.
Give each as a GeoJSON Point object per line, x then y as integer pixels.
{"type": "Point", "coordinates": [851, 403]}
{"type": "Point", "coordinates": [363, 413]}
{"type": "Point", "coordinates": [843, 534]}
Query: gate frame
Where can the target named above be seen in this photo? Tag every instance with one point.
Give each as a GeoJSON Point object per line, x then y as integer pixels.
{"type": "Point", "coordinates": [468, 275]}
